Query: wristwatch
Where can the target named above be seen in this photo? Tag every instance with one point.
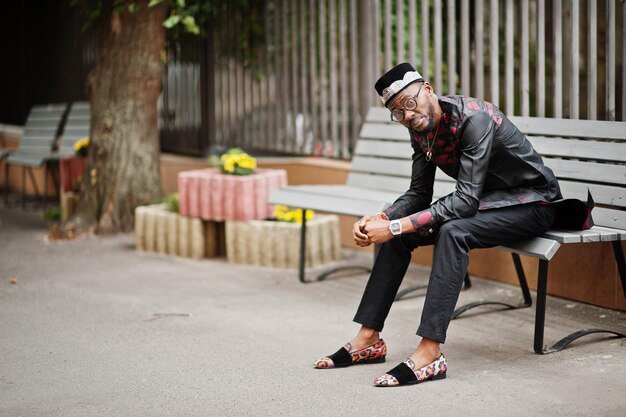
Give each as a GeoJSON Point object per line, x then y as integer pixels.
{"type": "Point", "coordinates": [395, 227]}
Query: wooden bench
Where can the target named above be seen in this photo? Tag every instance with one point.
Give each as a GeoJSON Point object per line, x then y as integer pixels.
{"type": "Point", "coordinates": [584, 155]}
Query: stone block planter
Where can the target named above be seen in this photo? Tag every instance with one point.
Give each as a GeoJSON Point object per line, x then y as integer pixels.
{"type": "Point", "coordinates": [159, 230]}
{"type": "Point", "coordinates": [277, 244]}
{"type": "Point", "coordinates": [211, 195]}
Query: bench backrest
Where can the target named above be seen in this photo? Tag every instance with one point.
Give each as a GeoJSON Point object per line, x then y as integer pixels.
{"type": "Point", "coordinates": [76, 127]}
{"type": "Point", "coordinates": [584, 154]}
{"type": "Point", "coordinates": [41, 129]}
{"type": "Point", "coordinates": [382, 157]}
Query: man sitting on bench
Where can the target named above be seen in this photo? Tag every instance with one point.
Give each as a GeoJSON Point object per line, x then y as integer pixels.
{"type": "Point", "coordinates": [503, 195]}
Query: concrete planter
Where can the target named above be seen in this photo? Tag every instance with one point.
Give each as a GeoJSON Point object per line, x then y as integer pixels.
{"type": "Point", "coordinates": [211, 195]}
{"type": "Point", "coordinates": [159, 230]}
{"type": "Point", "coordinates": [276, 244]}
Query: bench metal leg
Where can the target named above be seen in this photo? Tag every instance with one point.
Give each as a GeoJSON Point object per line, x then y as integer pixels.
{"type": "Point", "coordinates": [523, 286]}
{"type": "Point", "coordinates": [621, 264]}
{"type": "Point", "coordinates": [326, 274]}
{"type": "Point", "coordinates": [542, 287]}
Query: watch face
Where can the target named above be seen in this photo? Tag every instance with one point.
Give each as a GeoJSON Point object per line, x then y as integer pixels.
{"type": "Point", "coordinates": [395, 227]}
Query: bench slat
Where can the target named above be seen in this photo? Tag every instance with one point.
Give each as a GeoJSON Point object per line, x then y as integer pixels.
{"type": "Point", "coordinates": [385, 131]}
{"type": "Point", "coordinates": [291, 196]}
{"type": "Point", "coordinates": [388, 149]}
{"type": "Point", "coordinates": [602, 194]}
{"type": "Point", "coordinates": [381, 165]}
{"type": "Point", "coordinates": [538, 247]}
{"type": "Point", "coordinates": [587, 171]}
{"type": "Point", "coordinates": [581, 149]}
{"type": "Point", "coordinates": [615, 219]}
{"type": "Point", "coordinates": [570, 127]}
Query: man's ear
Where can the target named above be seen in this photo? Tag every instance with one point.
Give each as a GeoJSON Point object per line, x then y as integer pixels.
{"type": "Point", "coordinates": [428, 87]}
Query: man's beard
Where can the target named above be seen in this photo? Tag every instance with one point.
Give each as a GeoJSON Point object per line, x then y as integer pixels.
{"type": "Point", "coordinates": [431, 118]}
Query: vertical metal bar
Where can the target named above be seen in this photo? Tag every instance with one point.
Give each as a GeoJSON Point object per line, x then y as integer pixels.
{"type": "Point", "coordinates": [479, 39]}
{"type": "Point", "coordinates": [388, 29]}
{"type": "Point", "coordinates": [438, 39]}
{"type": "Point", "coordinates": [374, 42]}
{"type": "Point", "coordinates": [494, 51]}
{"type": "Point", "coordinates": [540, 315]}
{"type": "Point", "coordinates": [296, 107]}
{"type": "Point", "coordinates": [314, 86]}
{"type": "Point", "coordinates": [623, 62]}
{"type": "Point", "coordinates": [541, 58]}
{"type": "Point", "coordinates": [451, 33]}
{"type": "Point", "coordinates": [521, 276]}
{"type": "Point", "coordinates": [323, 76]}
{"type": "Point", "coordinates": [354, 74]}
{"type": "Point", "coordinates": [287, 109]}
{"type": "Point", "coordinates": [302, 247]}
{"type": "Point", "coordinates": [400, 31]}
{"type": "Point", "coordinates": [276, 105]}
{"type": "Point", "coordinates": [525, 76]}
{"type": "Point", "coordinates": [510, 46]}
{"type": "Point", "coordinates": [343, 81]}
{"type": "Point", "coordinates": [592, 61]}
{"type": "Point", "coordinates": [574, 68]}
{"type": "Point", "coordinates": [425, 70]}
{"type": "Point", "coordinates": [368, 45]}
{"type": "Point", "coordinates": [557, 21]}
{"type": "Point", "coordinates": [621, 263]}
{"type": "Point", "coordinates": [412, 32]}
{"type": "Point", "coordinates": [304, 87]}
{"type": "Point", "coordinates": [465, 48]}
{"type": "Point", "coordinates": [610, 64]}
{"type": "Point", "coordinates": [267, 102]}
{"type": "Point", "coordinates": [333, 90]}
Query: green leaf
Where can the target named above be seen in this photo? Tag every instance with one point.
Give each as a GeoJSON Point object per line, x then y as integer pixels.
{"type": "Point", "coordinates": [171, 21]}
{"type": "Point", "coordinates": [190, 25]}
{"type": "Point", "coordinates": [180, 3]}
{"type": "Point", "coordinates": [154, 2]}
{"type": "Point", "coordinates": [132, 7]}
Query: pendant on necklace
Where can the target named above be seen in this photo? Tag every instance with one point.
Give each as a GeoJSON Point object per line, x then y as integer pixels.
{"type": "Point", "coordinates": [429, 155]}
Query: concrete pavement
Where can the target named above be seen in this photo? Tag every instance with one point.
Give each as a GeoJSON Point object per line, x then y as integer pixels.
{"type": "Point", "coordinates": [93, 328]}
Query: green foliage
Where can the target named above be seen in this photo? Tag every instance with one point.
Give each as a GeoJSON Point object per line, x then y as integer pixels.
{"type": "Point", "coordinates": [171, 202]}
{"type": "Point", "coordinates": [53, 214]}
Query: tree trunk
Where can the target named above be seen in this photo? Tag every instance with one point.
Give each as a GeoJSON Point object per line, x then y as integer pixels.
{"type": "Point", "coordinates": [123, 162]}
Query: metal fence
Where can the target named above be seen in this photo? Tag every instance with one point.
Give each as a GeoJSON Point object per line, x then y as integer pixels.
{"type": "Point", "coordinates": [312, 82]}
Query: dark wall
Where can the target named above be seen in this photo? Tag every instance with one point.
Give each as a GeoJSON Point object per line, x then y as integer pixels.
{"type": "Point", "coordinates": [46, 57]}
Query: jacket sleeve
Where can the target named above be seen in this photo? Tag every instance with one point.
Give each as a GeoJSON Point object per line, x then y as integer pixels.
{"type": "Point", "coordinates": [475, 141]}
{"type": "Point", "coordinates": [420, 193]}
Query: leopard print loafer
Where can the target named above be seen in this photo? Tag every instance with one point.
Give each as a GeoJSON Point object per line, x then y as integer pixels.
{"type": "Point", "coordinates": [344, 357]}
{"type": "Point", "coordinates": [407, 373]}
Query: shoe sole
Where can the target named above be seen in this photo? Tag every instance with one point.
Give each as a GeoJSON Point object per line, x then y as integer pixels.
{"type": "Point", "coordinates": [432, 378]}
{"type": "Point", "coordinates": [364, 362]}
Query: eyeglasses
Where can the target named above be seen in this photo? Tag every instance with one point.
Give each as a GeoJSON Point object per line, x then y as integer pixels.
{"type": "Point", "coordinates": [397, 115]}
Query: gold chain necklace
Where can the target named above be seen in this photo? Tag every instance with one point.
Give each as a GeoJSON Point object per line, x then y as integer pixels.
{"type": "Point", "coordinates": [429, 152]}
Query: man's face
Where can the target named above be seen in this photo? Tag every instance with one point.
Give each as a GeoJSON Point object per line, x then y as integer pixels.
{"type": "Point", "coordinates": [422, 118]}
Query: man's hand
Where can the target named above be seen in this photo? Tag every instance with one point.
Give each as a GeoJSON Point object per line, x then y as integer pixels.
{"type": "Point", "coordinates": [377, 230]}
{"type": "Point", "coordinates": [360, 238]}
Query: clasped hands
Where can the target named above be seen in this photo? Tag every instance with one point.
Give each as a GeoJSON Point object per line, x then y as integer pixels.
{"type": "Point", "coordinates": [371, 229]}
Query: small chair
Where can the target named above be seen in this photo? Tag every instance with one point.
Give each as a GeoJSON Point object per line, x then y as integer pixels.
{"type": "Point", "coordinates": [42, 128]}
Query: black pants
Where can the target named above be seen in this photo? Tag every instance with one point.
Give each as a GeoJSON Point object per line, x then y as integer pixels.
{"type": "Point", "coordinates": [453, 241]}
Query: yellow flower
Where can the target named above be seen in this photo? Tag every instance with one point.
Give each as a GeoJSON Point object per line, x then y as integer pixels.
{"type": "Point", "coordinates": [288, 214]}
{"type": "Point", "coordinates": [80, 146]}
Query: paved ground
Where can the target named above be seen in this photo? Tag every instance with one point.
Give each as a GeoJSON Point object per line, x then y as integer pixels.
{"type": "Point", "coordinates": [92, 328]}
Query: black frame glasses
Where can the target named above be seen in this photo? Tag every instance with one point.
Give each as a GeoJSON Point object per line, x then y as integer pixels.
{"type": "Point", "coordinates": [397, 115]}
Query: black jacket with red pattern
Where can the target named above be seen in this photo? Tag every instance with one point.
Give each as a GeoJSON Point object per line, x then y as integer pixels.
{"type": "Point", "coordinates": [492, 161]}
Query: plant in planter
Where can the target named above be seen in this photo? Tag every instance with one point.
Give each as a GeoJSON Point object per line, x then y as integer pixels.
{"type": "Point", "coordinates": [271, 242]}
{"type": "Point", "coordinates": [81, 147]}
{"type": "Point", "coordinates": [237, 162]}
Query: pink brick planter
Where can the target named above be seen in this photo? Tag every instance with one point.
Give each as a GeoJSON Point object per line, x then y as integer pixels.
{"type": "Point", "coordinates": [210, 195]}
